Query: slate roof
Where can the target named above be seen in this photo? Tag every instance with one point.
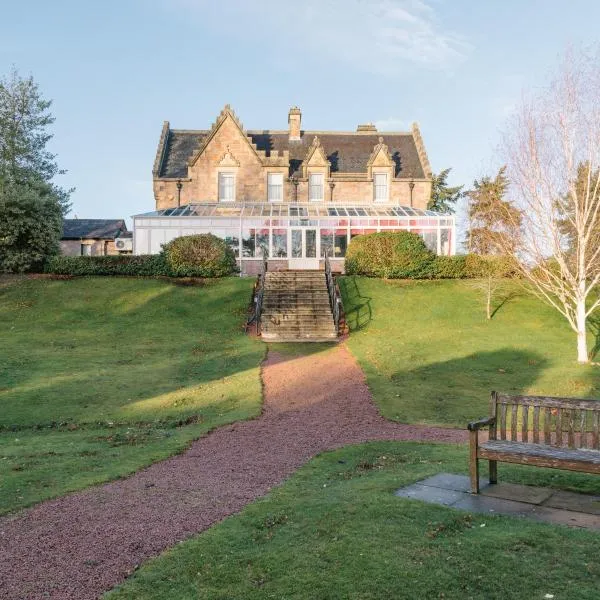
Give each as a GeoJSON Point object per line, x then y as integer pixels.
{"type": "Point", "coordinates": [347, 152]}
{"type": "Point", "coordinates": [98, 229]}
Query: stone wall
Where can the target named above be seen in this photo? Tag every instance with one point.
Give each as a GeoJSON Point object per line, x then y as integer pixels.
{"type": "Point", "coordinates": [99, 247]}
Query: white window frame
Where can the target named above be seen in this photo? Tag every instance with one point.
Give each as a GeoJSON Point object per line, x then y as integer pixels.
{"type": "Point", "coordinates": [222, 189]}
{"type": "Point", "coordinates": [275, 187]}
{"type": "Point", "coordinates": [386, 187]}
{"type": "Point", "coordinates": [312, 186]}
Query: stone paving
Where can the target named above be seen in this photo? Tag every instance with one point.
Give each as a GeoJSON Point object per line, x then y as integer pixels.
{"type": "Point", "coordinates": [540, 504]}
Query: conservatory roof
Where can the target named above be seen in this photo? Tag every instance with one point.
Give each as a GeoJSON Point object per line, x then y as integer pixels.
{"type": "Point", "coordinates": [281, 209]}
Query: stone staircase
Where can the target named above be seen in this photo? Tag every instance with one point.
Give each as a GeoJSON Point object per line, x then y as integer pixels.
{"type": "Point", "coordinates": [296, 307]}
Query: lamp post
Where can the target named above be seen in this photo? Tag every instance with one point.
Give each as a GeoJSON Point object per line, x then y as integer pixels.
{"type": "Point", "coordinates": [331, 186]}
{"type": "Point", "coordinates": [411, 185]}
{"type": "Point", "coordinates": [179, 185]}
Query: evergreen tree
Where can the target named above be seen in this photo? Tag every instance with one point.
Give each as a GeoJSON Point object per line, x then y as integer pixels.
{"type": "Point", "coordinates": [443, 197]}
{"type": "Point", "coordinates": [31, 204]}
{"type": "Point", "coordinates": [493, 220]}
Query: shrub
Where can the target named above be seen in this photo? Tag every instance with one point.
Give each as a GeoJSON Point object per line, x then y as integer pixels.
{"type": "Point", "coordinates": [478, 266]}
{"type": "Point", "coordinates": [202, 255]}
{"type": "Point", "coordinates": [448, 267]}
{"type": "Point", "coordinates": [125, 264]}
{"type": "Point", "coordinates": [395, 255]}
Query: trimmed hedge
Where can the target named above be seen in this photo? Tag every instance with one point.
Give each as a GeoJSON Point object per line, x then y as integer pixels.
{"type": "Point", "coordinates": [203, 255]}
{"type": "Point", "coordinates": [150, 265]}
{"type": "Point", "coordinates": [190, 256]}
{"type": "Point", "coordinates": [403, 255]}
{"type": "Point", "coordinates": [391, 255]}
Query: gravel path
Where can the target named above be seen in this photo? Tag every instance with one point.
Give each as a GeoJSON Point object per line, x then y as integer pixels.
{"type": "Point", "coordinates": [82, 544]}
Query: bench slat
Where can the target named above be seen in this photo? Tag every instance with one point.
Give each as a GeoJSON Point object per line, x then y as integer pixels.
{"type": "Point", "coordinates": [559, 427]}
{"type": "Point", "coordinates": [571, 434]}
{"type": "Point", "coordinates": [547, 426]}
{"type": "Point", "coordinates": [503, 421]}
{"type": "Point", "coordinates": [536, 424]}
{"type": "Point", "coordinates": [582, 429]}
{"type": "Point", "coordinates": [552, 402]}
{"type": "Point", "coordinates": [514, 422]}
{"type": "Point", "coordinates": [525, 423]}
{"type": "Point", "coordinates": [595, 431]}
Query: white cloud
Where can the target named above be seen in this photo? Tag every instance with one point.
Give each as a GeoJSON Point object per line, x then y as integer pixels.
{"type": "Point", "coordinates": [374, 35]}
{"type": "Point", "coordinates": [392, 124]}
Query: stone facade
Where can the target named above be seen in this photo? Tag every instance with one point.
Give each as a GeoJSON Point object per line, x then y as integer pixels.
{"type": "Point", "coordinates": [192, 161]}
{"type": "Point", "coordinates": [97, 247]}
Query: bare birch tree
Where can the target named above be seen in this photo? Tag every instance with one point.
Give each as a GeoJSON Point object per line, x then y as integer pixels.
{"type": "Point", "coordinates": [550, 138]}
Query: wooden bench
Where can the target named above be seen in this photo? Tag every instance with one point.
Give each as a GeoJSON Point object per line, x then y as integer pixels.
{"type": "Point", "coordinates": [568, 437]}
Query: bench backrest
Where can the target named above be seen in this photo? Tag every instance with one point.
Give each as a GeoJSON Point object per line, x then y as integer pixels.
{"type": "Point", "coordinates": [560, 422]}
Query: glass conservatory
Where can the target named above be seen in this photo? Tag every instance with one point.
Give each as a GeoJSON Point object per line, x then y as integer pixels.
{"type": "Point", "coordinates": [294, 236]}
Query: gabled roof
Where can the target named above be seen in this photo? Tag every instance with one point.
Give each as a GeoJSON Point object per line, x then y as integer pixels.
{"type": "Point", "coordinates": [348, 152]}
{"type": "Point", "coordinates": [99, 229]}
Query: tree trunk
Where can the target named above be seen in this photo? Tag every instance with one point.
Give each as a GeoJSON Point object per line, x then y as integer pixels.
{"type": "Point", "coordinates": [582, 351]}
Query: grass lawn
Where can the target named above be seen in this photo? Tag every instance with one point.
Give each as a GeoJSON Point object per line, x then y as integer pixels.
{"type": "Point", "coordinates": [430, 355]}
{"type": "Point", "coordinates": [336, 531]}
{"type": "Point", "coordinates": [102, 376]}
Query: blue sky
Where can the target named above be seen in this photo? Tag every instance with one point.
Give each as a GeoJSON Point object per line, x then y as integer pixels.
{"type": "Point", "coordinates": [117, 69]}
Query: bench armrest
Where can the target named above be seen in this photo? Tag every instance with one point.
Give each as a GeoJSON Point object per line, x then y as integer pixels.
{"type": "Point", "coordinates": [476, 425]}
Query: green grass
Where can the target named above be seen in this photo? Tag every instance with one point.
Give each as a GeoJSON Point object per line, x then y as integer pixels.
{"type": "Point", "coordinates": [102, 376]}
{"type": "Point", "coordinates": [430, 355]}
{"type": "Point", "coordinates": [336, 531]}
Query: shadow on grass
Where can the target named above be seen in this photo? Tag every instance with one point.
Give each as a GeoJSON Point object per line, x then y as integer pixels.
{"type": "Point", "coordinates": [594, 326]}
{"type": "Point", "coordinates": [457, 391]}
{"type": "Point", "coordinates": [506, 298]}
{"type": "Point", "coordinates": [356, 306]}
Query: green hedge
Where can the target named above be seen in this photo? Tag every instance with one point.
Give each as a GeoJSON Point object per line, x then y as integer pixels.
{"type": "Point", "coordinates": [392, 255]}
{"type": "Point", "coordinates": [403, 255]}
{"type": "Point", "coordinates": [189, 256]}
{"type": "Point", "coordinates": [150, 265]}
{"type": "Point", "coordinates": [203, 255]}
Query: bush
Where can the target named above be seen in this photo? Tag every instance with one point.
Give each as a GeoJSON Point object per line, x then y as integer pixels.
{"type": "Point", "coordinates": [202, 255]}
{"type": "Point", "coordinates": [395, 255]}
{"type": "Point", "coordinates": [478, 266]}
{"type": "Point", "coordinates": [448, 267]}
{"type": "Point", "coordinates": [125, 264]}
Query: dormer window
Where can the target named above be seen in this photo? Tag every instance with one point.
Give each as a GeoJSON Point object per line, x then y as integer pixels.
{"type": "Point", "coordinates": [226, 187]}
{"type": "Point", "coordinates": [275, 187]}
{"type": "Point", "coordinates": [315, 187]}
{"type": "Point", "coordinates": [381, 188]}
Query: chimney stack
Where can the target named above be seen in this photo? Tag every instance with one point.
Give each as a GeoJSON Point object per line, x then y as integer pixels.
{"type": "Point", "coordinates": [294, 120]}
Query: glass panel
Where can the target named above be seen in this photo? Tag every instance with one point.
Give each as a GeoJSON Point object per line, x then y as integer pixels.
{"type": "Point", "coordinates": [445, 242]}
{"type": "Point", "coordinates": [262, 243]}
{"type": "Point", "coordinates": [340, 242]}
{"type": "Point", "coordinates": [279, 243]}
{"type": "Point", "coordinates": [326, 242]}
{"type": "Point", "coordinates": [296, 243]}
{"type": "Point", "coordinates": [232, 239]}
{"type": "Point", "coordinates": [430, 238]}
{"type": "Point", "coordinates": [311, 243]}
{"type": "Point", "coordinates": [247, 242]}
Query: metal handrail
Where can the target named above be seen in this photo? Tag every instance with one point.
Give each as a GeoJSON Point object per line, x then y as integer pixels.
{"type": "Point", "coordinates": [259, 291]}
{"type": "Point", "coordinates": [335, 300]}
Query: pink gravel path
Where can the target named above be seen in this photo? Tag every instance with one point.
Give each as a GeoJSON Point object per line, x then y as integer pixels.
{"type": "Point", "coordinates": [82, 544]}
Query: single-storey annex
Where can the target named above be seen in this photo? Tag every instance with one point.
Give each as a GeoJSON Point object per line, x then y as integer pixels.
{"type": "Point", "coordinates": [95, 237]}
{"type": "Point", "coordinates": [290, 195]}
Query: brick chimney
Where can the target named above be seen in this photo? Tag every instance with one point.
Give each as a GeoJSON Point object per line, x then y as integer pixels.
{"type": "Point", "coordinates": [294, 120]}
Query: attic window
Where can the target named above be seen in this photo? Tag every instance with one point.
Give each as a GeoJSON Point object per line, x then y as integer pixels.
{"type": "Point", "coordinates": [380, 183]}
{"type": "Point", "coordinates": [275, 187]}
{"type": "Point", "coordinates": [226, 187]}
{"type": "Point", "coordinates": [315, 187]}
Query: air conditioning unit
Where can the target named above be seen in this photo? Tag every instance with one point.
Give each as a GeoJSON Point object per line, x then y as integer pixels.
{"type": "Point", "coordinates": [124, 244]}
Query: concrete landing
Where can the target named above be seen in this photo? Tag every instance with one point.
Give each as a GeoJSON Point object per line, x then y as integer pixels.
{"type": "Point", "coordinates": [540, 504]}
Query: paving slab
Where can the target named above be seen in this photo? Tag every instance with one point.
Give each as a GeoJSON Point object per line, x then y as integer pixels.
{"type": "Point", "coordinates": [576, 502]}
{"type": "Point", "coordinates": [452, 481]}
{"type": "Point", "coordinates": [427, 493]}
{"type": "Point", "coordinates": [540, 504]}
{"type": "Point", "coordinates": [559, 516]}
{"type": "Point", "coordinates": [518, 493]}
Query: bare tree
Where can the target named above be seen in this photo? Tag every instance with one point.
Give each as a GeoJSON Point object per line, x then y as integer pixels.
{"type": "Point", "coordinates": [550, 138]}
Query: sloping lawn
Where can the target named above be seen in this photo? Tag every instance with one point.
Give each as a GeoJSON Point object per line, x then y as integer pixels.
{"type": "Point", "coordinates": [102, 376]}
{"type": "Point", "coordinates": [430, 355]}
{"type": "Point", "coordinates": [336, 531]}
